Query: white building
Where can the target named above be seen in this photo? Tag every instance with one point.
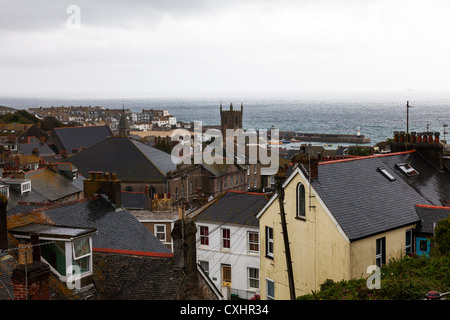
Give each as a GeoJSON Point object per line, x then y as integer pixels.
{"type": "Point", "coordinates": [228, 242]}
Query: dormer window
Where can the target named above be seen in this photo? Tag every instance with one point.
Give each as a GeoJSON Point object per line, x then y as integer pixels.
{"type": "Point", "coordinates": [25, 187]}
{"type": "Point", "coordinates": [407, 169]}
{"type": "Point", "coordinates": [67, 250]}
{"type": "Point", "coordinates": [4, 190]}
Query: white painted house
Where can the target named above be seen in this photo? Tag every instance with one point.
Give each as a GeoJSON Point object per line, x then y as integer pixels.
{"type": "Point", "coordinates": [228, 242]}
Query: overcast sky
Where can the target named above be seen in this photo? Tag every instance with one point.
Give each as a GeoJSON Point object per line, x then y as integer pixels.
{"type": "Point", "coordinates": [186, 46]}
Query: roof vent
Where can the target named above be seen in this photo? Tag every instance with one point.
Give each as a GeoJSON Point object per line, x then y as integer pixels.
{"type": "Point", "coordinates": [407, 169]}
{"type": "Point", "coordinates": [386, 174]}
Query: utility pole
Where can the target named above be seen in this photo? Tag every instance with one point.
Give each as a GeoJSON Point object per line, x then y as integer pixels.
{"type": "Point", "coordinates": [407, 116]}
{"type": "Point", "coordinates": [445, 132]}
{"type": "Point", "coordinates": [279, 180]}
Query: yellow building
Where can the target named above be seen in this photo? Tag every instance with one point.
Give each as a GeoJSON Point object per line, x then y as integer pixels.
{"type": "Point", "coordinates": [342, 217]}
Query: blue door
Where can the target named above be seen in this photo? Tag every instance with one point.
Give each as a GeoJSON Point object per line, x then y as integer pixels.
{"type": "Point", "coordinates": [422, 246]}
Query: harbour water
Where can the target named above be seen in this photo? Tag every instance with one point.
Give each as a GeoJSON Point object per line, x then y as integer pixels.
{"type": "Point", "coordinates": [376, 116]}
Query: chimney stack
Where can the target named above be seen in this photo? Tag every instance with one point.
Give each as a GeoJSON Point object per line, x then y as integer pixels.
{"type": "Point", "coordinates": [184, 246]}
{"type": "Point", "coordinates": [103, 183]}
{"type": "Point", "coordinates": [30, 279]}
{"type": "Point", "coordinates": [148, 199]}
{"type": "Point", "coordinates": [314, 168]}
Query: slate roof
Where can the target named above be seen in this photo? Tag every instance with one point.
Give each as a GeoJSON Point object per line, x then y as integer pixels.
{"type": "Point", "coordinates": [363, 201]}
{"type": "Point", "coordinates": [129, 159]}
{"type": "Point", "coordinates": [27, 148]}
{"type": "Point", "coordinates": [45, 185]}
{"type": "Point", "coordinates": [70, 138]}
{"type": "Point", "coordinates": [133, 200]}
{"type": "Point", "coordinates": [7, 266]}
{"type": "Point", "coordinates": [117, 230]}
{"type": "Point", "coordinates": [122, 269]}
{"type": "Point", "coordinates": [130, 277]}
{"type": "Point", "coordinates": [234, 207]}
{"type": "Point", "coordinates": [431, 183]}
{"type": "Point", "coordinates": [430, 215]}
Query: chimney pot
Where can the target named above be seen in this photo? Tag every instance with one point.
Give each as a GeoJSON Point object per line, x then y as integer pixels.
{"type": "Point", "coordinates": [436, 137]}
{"type": "Point", "coordinates": [430, 137]}
{"type": "Point", "coordinates": [99, 175]}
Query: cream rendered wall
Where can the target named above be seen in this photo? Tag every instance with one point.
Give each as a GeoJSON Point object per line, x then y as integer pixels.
{"type": "Point", "coordinates": [318, 249]}
{"type": "Point", "coordinates": [363, 251]}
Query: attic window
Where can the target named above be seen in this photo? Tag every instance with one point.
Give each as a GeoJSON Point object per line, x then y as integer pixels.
{"type": "Point", "coordinates": [25, 187]}
{"type": "Point", "coordinates": [407, 169]}
{"type": "Point", "coordinates": [66, 248]}
{"type": "Point", "coordinates": [386, 174]}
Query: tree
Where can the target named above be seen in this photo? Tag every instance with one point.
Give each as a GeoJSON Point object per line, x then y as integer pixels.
{"type": "Point", "coordinates": [359, 151]}
{"type": "Point", "coordinates": [441, 239]}
{"type": "Point", "coordinates": [50, 122]}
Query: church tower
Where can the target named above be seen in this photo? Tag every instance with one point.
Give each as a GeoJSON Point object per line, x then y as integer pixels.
{"type": "Point", "coordinates": [230, 119]}
{"type": "Point", "coordinates": [123, 127]}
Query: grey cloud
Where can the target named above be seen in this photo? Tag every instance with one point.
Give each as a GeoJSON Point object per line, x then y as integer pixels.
{"type": "Point", "coordinates": [23, 15]}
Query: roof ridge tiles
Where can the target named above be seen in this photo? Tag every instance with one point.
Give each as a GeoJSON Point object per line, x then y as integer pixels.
{"type": "Point", "coordinates": [432, 206]}
{"type": "Point", "coordinates": [48, 206]}
{"type": "Point", "coordinates": [134, 253]}
{"type": "Point", "coordinates": [367, 157]}
{"type": "Point", "coordinates": [247, 192]}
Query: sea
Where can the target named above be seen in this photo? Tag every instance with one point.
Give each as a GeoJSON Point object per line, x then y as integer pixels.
{"type": "Point", "coordinates": [376, 115]}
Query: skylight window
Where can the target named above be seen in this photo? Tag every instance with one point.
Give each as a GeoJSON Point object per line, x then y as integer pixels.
{"type": "Point", "coordinates": [407, 169]}
{"type": "Point", "coordinates": [386, 174]}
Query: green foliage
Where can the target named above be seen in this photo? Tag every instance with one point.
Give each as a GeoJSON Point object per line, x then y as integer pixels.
{"type": "Point", "coordinates": [20, 116]}
{"type": "Point", "coordinates": [164, 145]}
{"type": "Point", "coordinates": [50, 122]}
{"type": "Point", "coordinates": [409, 278]}
{"type": "Point", "coordinates": [440, 242]}
{"type": "Point", "coordinates": [359, 151]}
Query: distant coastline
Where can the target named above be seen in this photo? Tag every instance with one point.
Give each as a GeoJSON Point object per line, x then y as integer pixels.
{"type": "Point", "coordinates": [378, 116]}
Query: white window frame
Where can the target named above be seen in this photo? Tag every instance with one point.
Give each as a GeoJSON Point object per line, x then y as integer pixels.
{"type": "Point", "coordinates": [205, 266]}
{"type": "Point", "coordinates": [87, 255]}
{"type": "Point", "coordinates": [301, 206]}
{"type": "Point", "coordinates": [410, 245]}
{"type": "Point", "coordinates": [156, 232]}
{"type": "Point", "coordinates": [381, 255]}
{"type": "Point", "coordinates": [269, 242]}
{"type": "Point", "coordinates": [204, 236]}
{"type": "Point", "coordinates": [252, 242]}
{"type": "Point", "coordinates": [223, 239]}
{"type": "Point", "coordinates": [253, 278]}
{"type": "Point", "coordinates": [25, 187]}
